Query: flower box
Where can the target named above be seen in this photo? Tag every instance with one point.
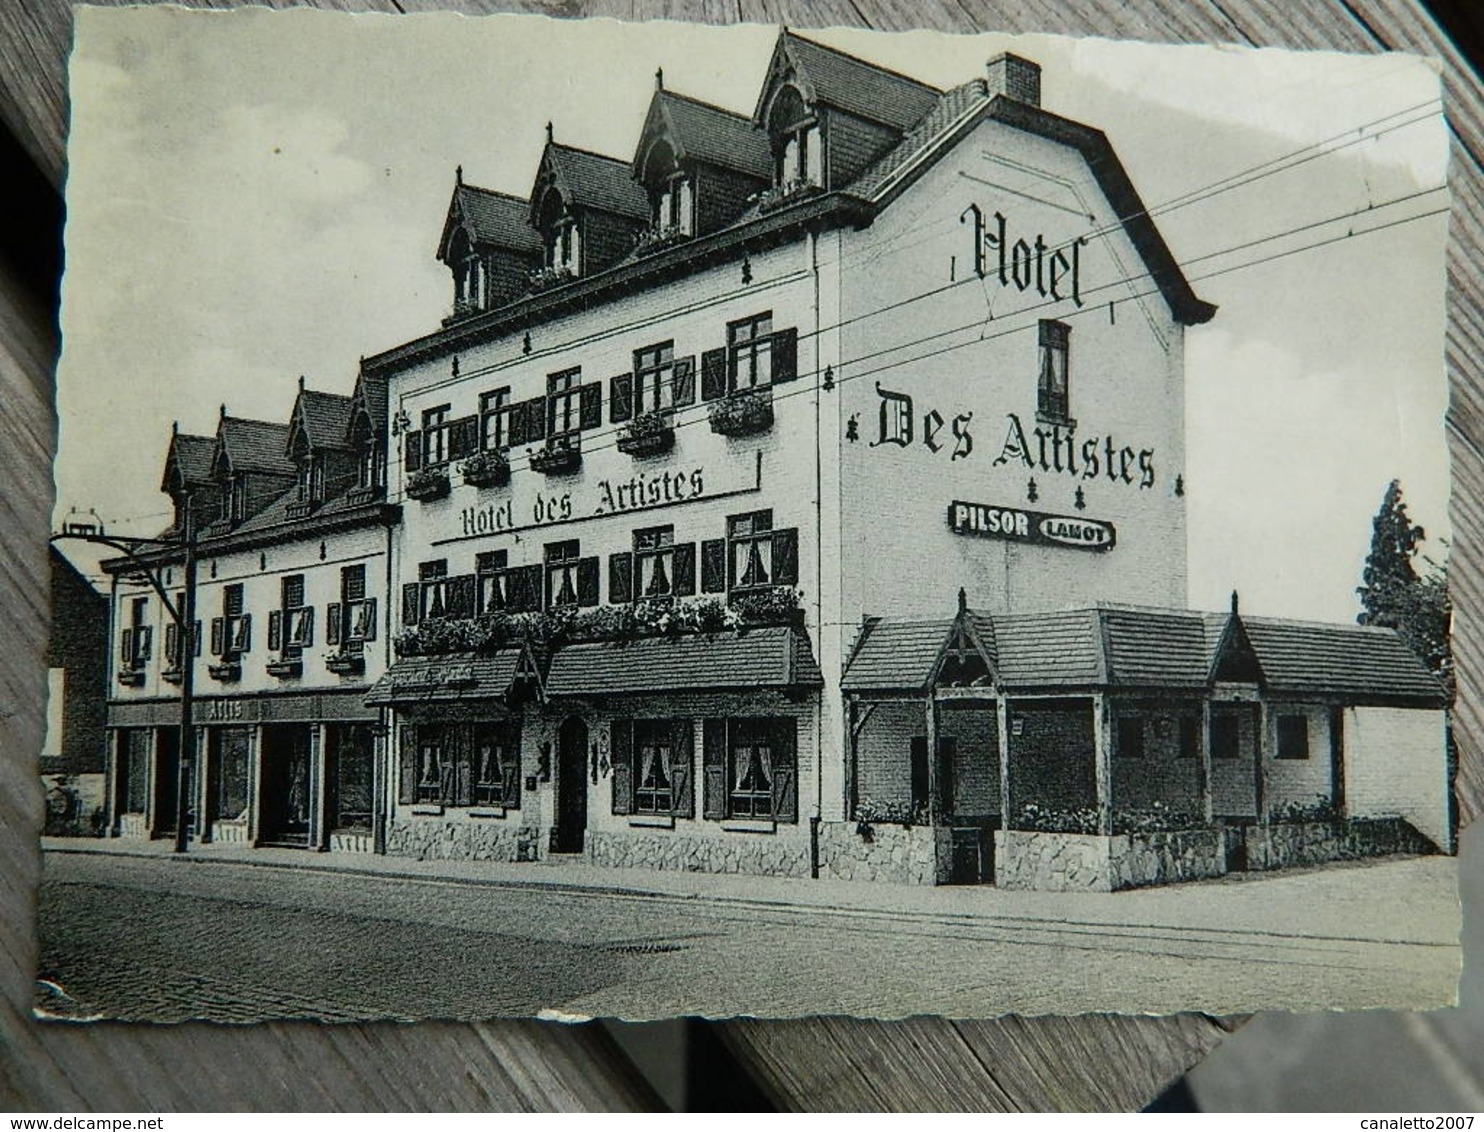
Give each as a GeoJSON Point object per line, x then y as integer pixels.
{"type": "Point", "coordinates": [488, 469]}
{"type": "Point", "coordinates": [228, 671]}
{"type": "Point", "coordinates": [428, 484]}
{"type": "Point", "coordinates": [659, 236]}
{"type": "Point", "coordinates": [549, 277]}
{"type": "Point", "coordinates": [560, 454]}
{"type": "Point", "coordinates": [648, 434]}
{"type": "Point", "coordinates": [285, 667]}
{"type": "Point", "coordinates": [358, 496]}
{"type": "Point", "coordinates": [784, 194]}
{"type": "Point", "coordinates": [743, 414]}
{"type": "Point", "coordinates": [172, 675]}
{"type": "Point", "coordinates": [131, 677]}
{"type": "Point", "coordinates": [300, 509]}
{"type": "Point", "coordinates": [345, 664]}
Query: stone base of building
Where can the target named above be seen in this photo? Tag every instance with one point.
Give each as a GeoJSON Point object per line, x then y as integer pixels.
{"type": "Point", "coordinates": [132, 825]}
{"type": "Point", "coordinates": [351, 842]}
{"type": "Point", "coordinates": [753, 854]}
{"type": "Point", "coordinates": [880, 851]}
{"type": "Point", "coordinates": [1286, 844]}
{"type": "Point", "coordinates": [229, 832]}
{"type": "Point", "coordinates": [427, 840]}
{"type": "Point", "coordinates": [1085, 862]}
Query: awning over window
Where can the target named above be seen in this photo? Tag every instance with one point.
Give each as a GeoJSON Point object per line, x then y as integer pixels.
{"type": "Point", "coordinates": [456, 677]}
{"type": "Point", "coordinates": [741, 658]}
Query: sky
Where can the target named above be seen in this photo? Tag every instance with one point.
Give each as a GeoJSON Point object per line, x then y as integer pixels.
{"type": "Point", "coordinates": [256, 195]}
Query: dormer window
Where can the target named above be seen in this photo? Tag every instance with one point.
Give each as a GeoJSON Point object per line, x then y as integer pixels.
{"type": "Point", "coordinates": [370, 470]}
{"type": "Point", "coordinates": [311, 486]}
{"type": "Point", "coordinates": [673, 206]}
{"type": "Point", "coordinates": [559, 233]}
{"type": "Point", "coordinates": [238, 498]}
{"type": "Point", "coordinates": [671, 194]}
{"type": "Point", "coordinates": [798, 156]}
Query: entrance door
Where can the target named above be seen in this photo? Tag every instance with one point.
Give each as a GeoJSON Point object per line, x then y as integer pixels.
{"type": "Point", "coordinates": [571, 804]}
{"type": "Point", "coordinates": [286, 784]}
{"type": "Point", "coordinates": [167, 778]}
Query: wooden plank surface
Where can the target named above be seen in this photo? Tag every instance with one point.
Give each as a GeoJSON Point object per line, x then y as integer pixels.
{"type": "Point", "coordinates": [1089, 1062]}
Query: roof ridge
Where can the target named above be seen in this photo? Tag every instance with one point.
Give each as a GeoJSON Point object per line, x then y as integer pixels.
{"type": "Point", "coordinates": [843, 54]}
{"type": "Point", "coordinates": [587, 152]}
{"type": "Point", "coordinates": [701, 102]}
{"type": "Point", "coordinates": [496, 192]}
{"type": "Point", "coordinates": [1310, 623]}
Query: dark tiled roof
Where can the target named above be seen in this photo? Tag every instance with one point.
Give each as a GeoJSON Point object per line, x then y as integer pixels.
{"type": "Point", "coordinates": [255, 446]}
{"type": "Point", "coordinates": [859, 87]}
{"type": "Point", "coordinates": [1154, 648]}
{"type": "Point", "coordinates": [191, 456]}
{"type": "Point", "coordinates": [896, 656]}
{"type": "Point", "coordinates": [277, 512]}
{"type": "Point", "coordinates": [324, 417]}
{"type": "Point", "coordinates": [445, 679]}
{"type": "Point", "coordinates": [743, 658]}
{"type": "Point", "coordinates": [1036, 650]}
{"type": "Point", "coordinates": [370, 396]}
{"type": "Point", "coordinates": [702, 132]}
{"type": "Point", "coordinates": [1349, 660]}
{"type": "Point", "coordinates": [950, 107]}
{"type": "Point", "coordinates": [591, 180]}
{"type": "Point", "coordinates": [492, 219]}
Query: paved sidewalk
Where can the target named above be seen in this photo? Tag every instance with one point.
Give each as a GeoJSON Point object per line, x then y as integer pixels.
{"type": "Point", "coordinates": [1402, 899]}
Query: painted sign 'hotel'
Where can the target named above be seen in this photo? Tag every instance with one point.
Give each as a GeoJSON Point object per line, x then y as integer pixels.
{"type": "Point", "coordinates": [802, 494]}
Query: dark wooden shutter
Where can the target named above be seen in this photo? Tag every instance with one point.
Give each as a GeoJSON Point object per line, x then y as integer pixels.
{"type": "Point", "coordinates": [786, 557]}
{"type": "Point", "coordinates": [535, 420]}
{"type": "Point", "coordinates": [461, 748]}
{"type": "Point", "coordinates": [682, 769]}
{"type": "Point", "coordinates": [590, 406]}
{"type": "Point", "coordinates": [309, 627]}
{"type": "Point", "coordinates": [785, 355]}
{"type": "Point", "coordinates": [463, 437]}
{"type": "Point", "coordinates": [623, 766]}
{"type": "Point", "coordinates": [620, 397]}
{"type": "Point", "coordinates": [413, 448]}
{"type": "Point", "coordinates": [196, 639]}
{"type": "Point", "coordinates": [463, 592]}
{"type": "Point", "coordinates": [714, 374]}
{"type": "Point", "coordinates": [275, 630]}
{"type": "Point", "coordinates": [683, 389]}
{"type": "Point", "coordinates": [516, 427]}
{"type": "Point", "coordinates": [527, 583]}
{"type": "Point", "coordinates": [587, 581]}
{"type": "Point", "coordinates": [510, 781]}
{"type": "Point", "coordinates": [407, 771]}
{"type": "Point", "coordinates": [370, 619]}
{"type": "Point", "coordinates": [785, 770]}
{"type": "Point", "coordinates": [172, 644]}
{"type": "Point", "coordinates": [218, 636]}
{"type": "Point", "coordinates": [714, 758]}
{"type": "Point", "coordinates": [684, 580]}
{"type": "Point", "coordinates": [620, 578]}
{"type": "Point", "coordinates": [126, 647]}
{"type": "Point", "coordinates": [714, 566]}
{"type": "Point", "coordinates": [246, 633]}
{"type": "Point", "coordinates": [332, 623]}
{"type": "Point", "coordinates": [412, 593]}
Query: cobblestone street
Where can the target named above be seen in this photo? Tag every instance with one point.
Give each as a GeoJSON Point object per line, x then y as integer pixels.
{"type": "Point", "coordinates": [233, 936]}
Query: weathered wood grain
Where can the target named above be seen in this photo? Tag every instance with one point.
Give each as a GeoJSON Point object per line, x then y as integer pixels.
{"type": "Point", "coordinates": [1089, 1062]}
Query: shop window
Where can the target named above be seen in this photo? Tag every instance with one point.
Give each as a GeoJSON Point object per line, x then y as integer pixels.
{"type": "Point", "coordinates": [136, 743]}
{"type": "Point", "coordinates": [352, 783]}
{"type": "Point", "coordinates": [750, 352]}
{"type": "Point", "coordinates": [494, 420]}
{"type": "Point", "coordinates": [654, 369]}
{"type": "Point", "coordinates": [563, 402]}
{"type": "Point", "coordinates": [435, 435]}
{"type": "Point", "coordinates": [1293, 736]}
{"type": "Point", "coordinates": [1130, 739]}
{"type": "Point", "coordinates": [1052, 403]}
{"type": "Point", "coordinates": [496, 765]}
{"type": "Point", "coordinates": [1226, 737]}
{"type": "Point", "coordinates": [232, 776]}
{"type": "Point", "coordinates": [1190, 737]}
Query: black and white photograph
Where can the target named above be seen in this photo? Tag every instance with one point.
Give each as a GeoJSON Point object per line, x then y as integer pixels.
{"type": "Point", "coordinates": [575, 519]}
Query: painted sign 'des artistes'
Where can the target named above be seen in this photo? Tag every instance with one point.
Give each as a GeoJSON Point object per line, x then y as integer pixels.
{"type": "Point", "coordinates": [1045, 447]}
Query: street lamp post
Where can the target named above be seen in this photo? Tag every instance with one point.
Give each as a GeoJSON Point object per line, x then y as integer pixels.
{"type": "Point", "coordinates": [184, 616]}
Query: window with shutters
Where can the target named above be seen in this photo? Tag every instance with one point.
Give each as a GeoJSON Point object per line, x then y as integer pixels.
{"type": "Point", "coordinates": [1052, 402]}
{"type": "Point", "coordinates": [435, 435]}
{"type": "Point", "coordinates": [433, 579]}
{"type": "Point", "coordinates": [435, 768]}
{"type": "Point", "coordinates": [761, 775]}
{"type": "Point", "coordinates": [750, 352]}
{"type": "Point", "coordinates": [494, 420]}
{"type": "Point", "coordinates": [136, 645]}
{"type": "Point", "coordinates": [562, 560]}
{"type": "Point", "coordinates": [355, 618]}
{"type": "Point", "coordinates": [654, 766]}
{"type": "Point", "coordinates": [491, 568]}
{"type": "Point", "coordinates": [654, 373]}
{"type": "Point", "coordinates": [174, 660]}
{"type": "Point", "coordinates": [654, 563]}
{"type": "Point", "coordinates": [236, 623]}
{"type": "Point", "coordinates": [496, 764]}
{"type": "Point", "coordinates": [298, 618]}
{"type": "Point", "coordinates": [564, 402]}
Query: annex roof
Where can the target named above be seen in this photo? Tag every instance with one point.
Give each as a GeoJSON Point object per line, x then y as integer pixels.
{"type": "Point", "coordinates": [775, 657]}
{"type": "Point", "coordinates": [1352, 660]}
{"type": "Point", "coordinates": [450, 678]}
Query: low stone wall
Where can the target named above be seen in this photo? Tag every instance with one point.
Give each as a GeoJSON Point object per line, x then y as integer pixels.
{"type": "Point", "coordinates": [756, 854]}
{"type": "Point", "coordinates": [893, 853]}
{"type": "Point", "coordinates": [428, 839]}
{"type": "Point", "coordinates": [229, 832]}
{"type": "Point", "coordinates": [1088, 862]}
{"type": "Point", "coordinates": [1286, 844]}
{"type": "Point", "coordinates": [133, 825]}
{"type": "Point", "coordinates": [350, 842]}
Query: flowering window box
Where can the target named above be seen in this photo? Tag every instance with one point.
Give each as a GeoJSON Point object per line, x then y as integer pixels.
{"type": "Point", "coordinates": [743, 414]}
{"type": "Point", "coordinates": [172, 675]}
{"type": "Point", "coordinates": [301, 509]}
{"type": "Point", "coordinates": [560, 454]}
{"type": "Point", "coordinates": [488, 469]}
{"type": "Point", "coordinates": [428, 484]}
{"type": "Point", "coordinates": [285, 667]}
{"type": "Point", "coordinates": [648, 434]}
{"type": "Point", "coordinates": [786, 193]}
{"type": "Point", "coordinates": [345, 664]}
{"type": "Point", "coordinates": [659, 236]}
{"type": "Point", "coordinates": [549, 277]}
{"type": "Point", "coordinates": [227, 672]}
{"type": "Point", "coordinates": [131, 677]}
{"type": "Point", "coordinates": [358, 496]}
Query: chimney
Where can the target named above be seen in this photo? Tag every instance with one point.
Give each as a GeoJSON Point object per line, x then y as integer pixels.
{"type": "Point", "coordinates": [1015, 78]}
